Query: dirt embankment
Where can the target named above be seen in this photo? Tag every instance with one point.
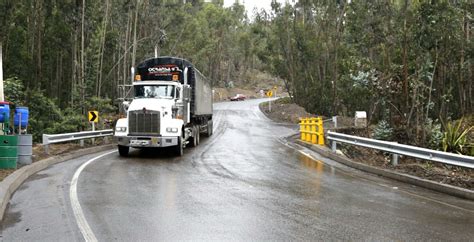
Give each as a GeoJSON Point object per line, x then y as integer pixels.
{"type": "Point", "coordinates": [452, 175]}
{"type": "Point", "coordinates": [285, 111]}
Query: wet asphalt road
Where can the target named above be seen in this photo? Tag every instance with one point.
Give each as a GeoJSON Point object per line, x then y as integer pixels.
{"type": "Point", "coordinates": [243, 183]}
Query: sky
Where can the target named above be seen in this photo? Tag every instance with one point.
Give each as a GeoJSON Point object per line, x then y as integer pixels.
{"type": "Point", "coordinates": [251, 4]}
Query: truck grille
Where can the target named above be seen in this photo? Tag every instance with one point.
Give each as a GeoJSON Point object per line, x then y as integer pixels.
{"type": "Point", "coordinates": [144, 123]}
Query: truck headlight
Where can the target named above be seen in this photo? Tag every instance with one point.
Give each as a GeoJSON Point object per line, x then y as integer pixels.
{"type": "Point", "coordinates": [172, 130]}
{"type": "Point", "coordinates": [121, 129]}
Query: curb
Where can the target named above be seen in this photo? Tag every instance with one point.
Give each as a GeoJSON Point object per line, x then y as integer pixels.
{"type": "Point", "coordinates": [9, 185]}
{"type": "Point", "coordinates": [432, 185]}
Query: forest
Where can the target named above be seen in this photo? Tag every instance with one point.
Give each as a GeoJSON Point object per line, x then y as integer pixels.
{"type": "Point", "coordinates": [408, 63]}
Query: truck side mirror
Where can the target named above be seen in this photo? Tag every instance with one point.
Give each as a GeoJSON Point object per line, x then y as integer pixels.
{"type": "Point", "coordinates": [126, 104]}
{"type": "Point", "coordinates": [187, 93]}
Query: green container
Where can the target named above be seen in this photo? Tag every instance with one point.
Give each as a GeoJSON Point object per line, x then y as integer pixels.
{"type": "Point", "coordinates": [8, 151]}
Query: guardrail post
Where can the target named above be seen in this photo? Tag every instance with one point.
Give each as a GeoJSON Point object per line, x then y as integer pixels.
{"type": "Point", "coordinates": [81, 143]}
{"type": "Point", "coordinates": [45, 144]}
{"type": "Point", "coordinates": [334, 146]}
{"type": "Point", "coordinates": [106, 139]}
{"type": "Point", "coordinates": [394, 159]}
{"type": "Point", "coordinates": [313, 130]}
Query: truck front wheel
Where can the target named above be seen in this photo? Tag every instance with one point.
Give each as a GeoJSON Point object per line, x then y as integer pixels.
{"type": "Point", "coordinates": [179, 147]}
{"type": "Point", "coordinates": [123, 150]}
{"type": "Point", "coordinates": [194, 140]}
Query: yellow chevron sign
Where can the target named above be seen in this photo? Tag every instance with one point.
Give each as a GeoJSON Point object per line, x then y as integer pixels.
{"type": "Point", "coordinates": [93, 116]}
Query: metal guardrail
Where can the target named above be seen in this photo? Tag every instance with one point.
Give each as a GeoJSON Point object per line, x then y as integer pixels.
{"type": "Point", "coordinates": [59, 138]}
{"type": "Point", "coordinates": [401, 149]}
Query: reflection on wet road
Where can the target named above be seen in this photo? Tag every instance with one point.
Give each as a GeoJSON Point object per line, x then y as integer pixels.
{"type": "Point", "coordinates": [243, 183]}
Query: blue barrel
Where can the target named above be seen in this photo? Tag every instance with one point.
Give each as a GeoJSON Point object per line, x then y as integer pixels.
{"type": "Point", "coordinates": [4, 112]}
{"type": "Point", "coordinates": [21, 113]}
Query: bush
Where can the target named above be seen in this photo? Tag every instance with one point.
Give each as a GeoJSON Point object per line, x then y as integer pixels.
{"type": "Point", "coordinates": [44, 113]}
{"type": "Point", "coordinates": [14, 91]}
{"type": "Point", "coordinates": [434, 134]}
{"type": "Point", "coordinates": [455, 139]}
{"type": "Point", "coordinates": [383, 131]}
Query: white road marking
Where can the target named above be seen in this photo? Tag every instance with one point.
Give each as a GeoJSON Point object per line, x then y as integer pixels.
{"type": "Point", "coordinates": [256, 115]}
{"type": "Point", "coordinates": [305, 154]}
{"type": "Point", "coordinates": [299, 150]}
{"type": "Point", "coordinates": [76, 206]}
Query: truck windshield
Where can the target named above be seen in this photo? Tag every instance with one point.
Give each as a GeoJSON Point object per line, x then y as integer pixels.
{"type": "Point", "coordinates": [154, 91]}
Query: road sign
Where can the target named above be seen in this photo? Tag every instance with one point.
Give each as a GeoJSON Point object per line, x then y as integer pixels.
{"type": "Point", "coordinates": [269, 94]}
{"type": "Point", "coordinates": [94, 116]}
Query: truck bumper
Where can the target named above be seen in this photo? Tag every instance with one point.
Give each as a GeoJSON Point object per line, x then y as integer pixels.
{"type": "Point", "coordinates": [144, 142]}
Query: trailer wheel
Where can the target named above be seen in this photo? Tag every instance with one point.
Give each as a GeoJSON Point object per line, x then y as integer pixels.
{"type": "Point", "coordinates": [179, 148]}
{"type": "Point", "coordinates": [123, 150]}
{"type": "Point", "coordinates": [209, 128]}
{"type": "Point", "coordinates": [198, 135]}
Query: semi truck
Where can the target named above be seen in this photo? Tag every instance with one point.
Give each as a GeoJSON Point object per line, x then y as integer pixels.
{"type": "Point", "coordinates": [171, 106]}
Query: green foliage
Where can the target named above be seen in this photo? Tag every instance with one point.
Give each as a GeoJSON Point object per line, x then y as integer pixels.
{"type": "Point", "coordinates": [434, 134]}
{"type": "Point", "coordinates": [44, 113]}
{"type": "Point", "coordinates": [103, 105]}
{"type": "Point", "coordinates": [14, 91]}
{"type": "Point", "coordinates": [456, 140]}
{"type": "Point", "coordinates": [383, 131]}
{"type": "Point", "coordinates": [70, 121]}
{"type": "Point", "coordinates": [404, 61]}
{"type": "Point", "coordinates": [46, 117]}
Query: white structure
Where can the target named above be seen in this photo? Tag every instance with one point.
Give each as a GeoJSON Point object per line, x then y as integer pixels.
{"type": "Point", "coordinates": [360, 119]}
{"type": "Point", "coordinates": [2, 98]}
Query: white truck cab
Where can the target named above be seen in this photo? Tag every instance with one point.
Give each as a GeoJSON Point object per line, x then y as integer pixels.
{"type": "Point", "coordinates": [164, 112]}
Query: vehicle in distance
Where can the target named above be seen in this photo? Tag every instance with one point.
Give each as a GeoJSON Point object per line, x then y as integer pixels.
{"type": "Point", "coordinates": [171, 106]}
{"type": "Point", "coordinates": [238, 97]}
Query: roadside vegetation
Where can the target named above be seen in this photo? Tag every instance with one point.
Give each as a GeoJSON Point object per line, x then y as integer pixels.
{"type": "Point", "coordinates": [284, 110]}
{"type": "Point", "coordinates": [408, 64]}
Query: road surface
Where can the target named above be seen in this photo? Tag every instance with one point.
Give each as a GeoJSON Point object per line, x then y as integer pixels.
{"type": "Point", "coordinates": [244, 183]}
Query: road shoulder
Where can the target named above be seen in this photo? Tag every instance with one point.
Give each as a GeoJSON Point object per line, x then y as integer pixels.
{"type": "Point", "coordinates": [11, 183]}
{"type": "Point", "coordinates": [443, 188]}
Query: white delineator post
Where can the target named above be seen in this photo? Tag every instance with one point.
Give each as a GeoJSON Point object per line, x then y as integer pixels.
{"type": "Point", "coordinates": [270, 104]}
{"type": "Point", "coordinates": [2, 97]}
{"type": "Point", "coordinates": [93, 129]}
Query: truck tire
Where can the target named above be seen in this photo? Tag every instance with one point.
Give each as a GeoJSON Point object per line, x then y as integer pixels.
{"type": "Point", "coordinates": [209, 128]}
{"type": "Point", "coordinates": [198, 136]}
{"type": "Point", "coordinates": [179, 148]}
{"type": "Point", "coordinates": [123, 150]}
{"type": "Point", "coordinates": [194, 141]}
